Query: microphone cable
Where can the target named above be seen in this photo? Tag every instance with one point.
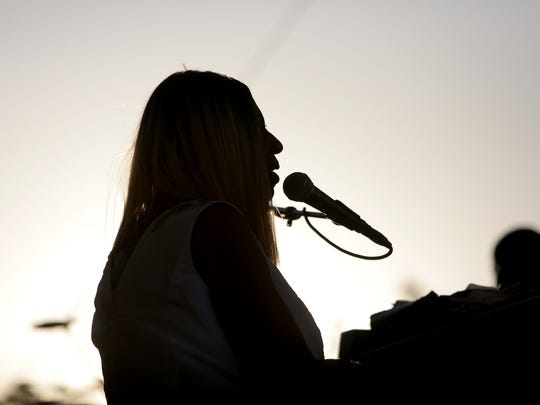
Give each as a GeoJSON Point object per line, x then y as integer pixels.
{"type": "Point", "coordinates": [291, 213]}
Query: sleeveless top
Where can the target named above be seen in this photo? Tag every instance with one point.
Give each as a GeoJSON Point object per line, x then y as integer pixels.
{"type": "Point", "coordinates": [158, 325]}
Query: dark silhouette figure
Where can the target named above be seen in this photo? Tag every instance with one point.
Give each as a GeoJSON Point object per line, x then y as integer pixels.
{"type": "Point", "coordinates": [191, 301]}
{"type": "Point", "coordinates": [517, 259]}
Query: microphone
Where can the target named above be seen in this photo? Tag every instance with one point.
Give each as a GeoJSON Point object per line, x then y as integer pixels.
{"type": "Point", "coordinates": [298, 187]}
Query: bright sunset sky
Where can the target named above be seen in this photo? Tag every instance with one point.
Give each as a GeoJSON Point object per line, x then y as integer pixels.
{"type": "Point", "coordinates": [421, 116]}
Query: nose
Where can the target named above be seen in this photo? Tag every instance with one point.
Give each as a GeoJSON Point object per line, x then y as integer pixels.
{"type": "Point", "coordinates": [275, 145]}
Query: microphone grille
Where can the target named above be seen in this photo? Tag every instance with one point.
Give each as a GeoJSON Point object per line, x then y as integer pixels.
{"type": "Point", "coordinates": [297, 186]}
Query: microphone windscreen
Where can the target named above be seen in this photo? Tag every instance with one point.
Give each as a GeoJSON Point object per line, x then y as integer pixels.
{"type": "Point", "coordinates": [297, 186]}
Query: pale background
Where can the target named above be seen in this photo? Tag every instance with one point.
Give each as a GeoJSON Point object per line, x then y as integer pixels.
{"type": "Point", "coordinates": [422, 116]}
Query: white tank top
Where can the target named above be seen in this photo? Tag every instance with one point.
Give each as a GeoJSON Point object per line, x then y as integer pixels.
{"type": "Point", "coordinates": [161, 316]}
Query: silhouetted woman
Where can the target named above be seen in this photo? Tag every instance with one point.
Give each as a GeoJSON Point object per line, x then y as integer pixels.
{"type": "Point", "coordinates": [191, 301]}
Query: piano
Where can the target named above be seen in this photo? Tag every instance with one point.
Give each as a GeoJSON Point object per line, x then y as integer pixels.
{"type": "Point", "coordinates": [454, 341]}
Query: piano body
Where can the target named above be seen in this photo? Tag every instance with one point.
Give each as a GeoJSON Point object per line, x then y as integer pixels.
{"type": "Point", "coordinates": [454, 340]}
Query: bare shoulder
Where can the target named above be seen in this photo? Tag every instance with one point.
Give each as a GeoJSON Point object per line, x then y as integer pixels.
{"type": "Point", "coordinates": [220, 217]}
{"type": "Point", "coordinates": [220, 224]}
{"type": "Point", "coordinates": [222, 239]}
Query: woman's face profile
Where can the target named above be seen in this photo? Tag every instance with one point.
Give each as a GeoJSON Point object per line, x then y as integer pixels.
{"type": "Point", "coordinates": [274, 147]}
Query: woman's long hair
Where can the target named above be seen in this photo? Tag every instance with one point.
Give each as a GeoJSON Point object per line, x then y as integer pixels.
{"type": "Point", "coordinates": [201, 137]}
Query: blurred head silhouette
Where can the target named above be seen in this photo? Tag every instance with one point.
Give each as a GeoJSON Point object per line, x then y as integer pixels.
{"type": "Point", "coordinates": [517, 259]}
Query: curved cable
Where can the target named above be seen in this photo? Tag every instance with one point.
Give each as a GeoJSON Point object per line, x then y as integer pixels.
{"type": "Point", "coordinates": [390, 249]}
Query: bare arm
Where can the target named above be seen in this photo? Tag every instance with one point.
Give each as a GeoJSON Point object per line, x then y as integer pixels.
{"type": "Point", "coordinates": [260, 329]}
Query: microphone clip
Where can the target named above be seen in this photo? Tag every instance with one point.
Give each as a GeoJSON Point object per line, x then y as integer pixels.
{"type": "Point", "coordinates": [291, 214]}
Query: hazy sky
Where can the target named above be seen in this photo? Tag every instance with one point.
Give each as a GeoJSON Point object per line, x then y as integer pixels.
{"type": "Point", "coordinates": [421, 116]}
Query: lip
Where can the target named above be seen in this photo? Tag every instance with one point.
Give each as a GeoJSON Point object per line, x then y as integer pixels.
{"type": "Point", "coordinates": [274, 178]}
{"type": "Point", "coordinates": [273, 163]}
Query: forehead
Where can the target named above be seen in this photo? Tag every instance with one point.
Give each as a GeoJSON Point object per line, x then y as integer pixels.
{"type": "Point", "coordinates": [259, 114]}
